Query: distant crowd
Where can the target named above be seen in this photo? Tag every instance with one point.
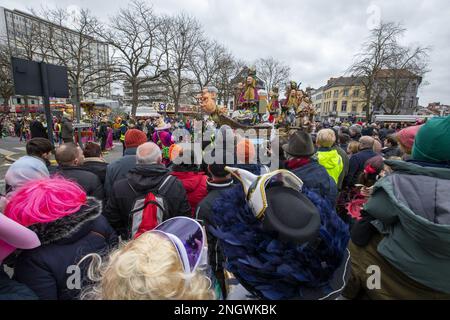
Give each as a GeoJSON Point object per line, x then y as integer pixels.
{"type": "Point", "coordinates": [161, 223]}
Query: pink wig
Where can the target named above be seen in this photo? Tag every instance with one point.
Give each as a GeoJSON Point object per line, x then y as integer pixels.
{"type": "Point", "coordinates": [45, 200]}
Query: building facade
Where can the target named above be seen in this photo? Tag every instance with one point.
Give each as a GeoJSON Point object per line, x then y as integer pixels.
{"type": "Point", "coordinates": [26, 35]}
{"type": "Point", "coordinates": [341, 98]}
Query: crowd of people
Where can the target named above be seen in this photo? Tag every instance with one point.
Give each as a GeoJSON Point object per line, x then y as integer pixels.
{"type": "Point", "coordinates": [161, 223]}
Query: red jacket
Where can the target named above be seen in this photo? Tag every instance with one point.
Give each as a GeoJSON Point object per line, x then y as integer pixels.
{"type": "Point", "coordinates": [195, 185]}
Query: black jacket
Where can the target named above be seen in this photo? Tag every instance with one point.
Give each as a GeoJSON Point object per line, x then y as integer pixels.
{"type": "Point", "coordinates": [392, 152]}
{"type": "Point", "coordinates": [204, 213]}
{"type": "Point", "coordinates": [97, 167]}
{"type": "Point", "coordinates": [140, 181]}
{"type": "Point", "coordinates": [37, 130]}
{"type": "Point", "coordinates": [46, 269]}
{"type": "Point", "coordinates": [87, 180]}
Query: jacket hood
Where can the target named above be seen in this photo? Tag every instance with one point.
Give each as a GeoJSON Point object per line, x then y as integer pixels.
{"type": "Point", "coordinates": [147, 177]}
{"type": "Point", "coordinates": [412, 209]}
{"type": "Point", "coordinates": [190, 180]}
{"type": "Point", "coordinates": [70, 228]}
{"type": "Point", "coordinates": [329, 159]}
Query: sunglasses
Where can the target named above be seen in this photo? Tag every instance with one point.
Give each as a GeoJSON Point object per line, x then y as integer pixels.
{"type": "Point", "coordinates": [188, 237]}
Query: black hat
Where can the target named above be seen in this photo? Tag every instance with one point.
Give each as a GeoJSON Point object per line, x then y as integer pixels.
{"type": "Point", "coordinates": [281, 241]}
{"type": "Point", "coordinates": [300, 145]}
{"type": "Point", "coordinates": [291, 214]}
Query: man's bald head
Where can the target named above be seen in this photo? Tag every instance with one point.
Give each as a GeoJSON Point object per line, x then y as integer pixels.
{"type": "Point", "coordinates": [366, 142]}
{"type": "Point", "coordinates": [69, 154]}
{"type": "Point", "coordinates": [148, 153]}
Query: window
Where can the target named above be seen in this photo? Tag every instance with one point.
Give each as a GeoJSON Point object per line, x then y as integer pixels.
{"type": "Point", "coordinates": [354, 107]}
{"type": "Point", "coordinates": [336, 94]}
{"type": "Point", "coordinates": [344, 106]}
{"type": "Point", "coordinates": [346, 92]}
{"type": "Point", "coordinates": [335, 106]}
{"type": "Point", "coordinates": [356, 93]}
{"type": "Point", "coordinates": [19, 100]}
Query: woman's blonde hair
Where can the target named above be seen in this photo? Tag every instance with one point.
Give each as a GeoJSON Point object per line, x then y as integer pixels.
{"type": "Point", "coordinates": [353, 147]}
{"type": "Point", "coordinates": [147, 268]}
{"type": "Point", "coordinates": [326, 138]}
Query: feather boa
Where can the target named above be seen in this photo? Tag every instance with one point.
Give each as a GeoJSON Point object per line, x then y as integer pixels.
{"type": "Point", "coordinates": [272, 269]}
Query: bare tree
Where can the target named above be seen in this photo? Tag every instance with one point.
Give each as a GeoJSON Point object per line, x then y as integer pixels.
{"type": "Point", "coordinates": [132, 35]}
{"type": "Point", "coordinates": [179, 37]}
{"type": "Point", "coordinates": [206, 61]}
{"type": "Point", "coordinates": [71, 43]}
{"type": "Point", "coordinates": [401, 79]}
{"type": "Point", "coordinates": [375, 55]}
{"type": "Point", "coordinates": [228, 69]}
{"type": "Point", "coordinates": [272, 72]}
{"type": "Point", "coordinates": [6, 81]}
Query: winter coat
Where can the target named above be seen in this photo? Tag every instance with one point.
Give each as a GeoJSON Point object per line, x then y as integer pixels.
{"type": "Point", "coordinates": [317, 179]}
{"type": "Point", "coordinates": [331, 161]}
{"type": "Point", "coordinates": [97, 166]}
{"type": "Point", "coordinates": [392, 152]}
{"type": "Point", "coordinates": [356, 165]}
{"type": "Point", "coordinates": [46, 269]}
{"type": "Point", "coordinates": [410, 208]}
{"type": "Point", "coordinates": [37, 130]}
{"type": "Point", "coordinates": [139, 182]}
{"type": "Point", "coordinates": [66, 129]}
{"type": "Point", "coordinates": [13, 290]}
{"type": "Point", "coordinates": [118, 170]}
{"type": "Point", "coordinates": [87, 180]}
{"type": "Point", "coordinates": [195, 185]}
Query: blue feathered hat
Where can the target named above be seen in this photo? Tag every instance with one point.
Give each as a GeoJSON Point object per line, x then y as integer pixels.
{"type": "Point", "coordinates": [274, 262]}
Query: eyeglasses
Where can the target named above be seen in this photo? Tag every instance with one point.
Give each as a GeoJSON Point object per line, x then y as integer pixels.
{"type": "Point", "coordinates": [188, 237]}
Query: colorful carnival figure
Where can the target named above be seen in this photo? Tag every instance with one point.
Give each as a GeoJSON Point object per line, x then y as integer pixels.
{"type": "Point", "coordinates": [274, 104]}
{"type": "Point", "coordinates": [163, 138]}
{"type": "Point", "coordinates": [249, 96]}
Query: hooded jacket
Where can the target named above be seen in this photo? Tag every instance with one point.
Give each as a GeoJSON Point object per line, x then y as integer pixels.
{"type": "Point", "coordinates": [119, 169]}
{"type": "Point", "coordinates": [65, 241]}
{"type": "Point", "coordinates": [139, 182]}
{"type": "Point", "coordinates": [195, 185]}
{"type": "Point", "coordinates": [331, 161]}
{"type": "Point", "coordinates": [411, 209]}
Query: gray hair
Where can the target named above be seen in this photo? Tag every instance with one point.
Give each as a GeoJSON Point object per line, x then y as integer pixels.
{"type": "Point", "coordinates": [148, 153]}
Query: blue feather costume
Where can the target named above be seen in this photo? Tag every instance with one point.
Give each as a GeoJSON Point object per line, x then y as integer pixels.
{"type": "Point", "coordinates": [272, 269]}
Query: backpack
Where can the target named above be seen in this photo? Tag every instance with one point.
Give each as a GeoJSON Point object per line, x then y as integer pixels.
{"type": "Point", "coordinates": [149, 211]}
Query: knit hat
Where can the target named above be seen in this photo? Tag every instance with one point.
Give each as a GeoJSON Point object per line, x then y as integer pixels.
{"type": "Point", "coordinates": [134, 138]}
{"type": "Point", "coordinates": [245, 151]}
{"type": "Point", "coordinates": [406, 137]}
{"type": "Point", "coordinates": [432, 142]}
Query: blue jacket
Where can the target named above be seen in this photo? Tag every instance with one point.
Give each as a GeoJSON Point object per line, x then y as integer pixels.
{"type": "Point", "coordinates": [45, 269]}
{"type": "Point", "coordinates": [119, 169]}
{"type": "Point", "coordinates": [317, 179]}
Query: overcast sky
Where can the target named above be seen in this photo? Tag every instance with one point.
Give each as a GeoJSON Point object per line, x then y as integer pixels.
{"type": "Point", "coordinates": [316, 38]}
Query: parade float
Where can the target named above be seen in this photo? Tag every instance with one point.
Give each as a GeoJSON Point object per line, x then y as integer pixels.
{"type": "Point", "coordinates": [255, 109]}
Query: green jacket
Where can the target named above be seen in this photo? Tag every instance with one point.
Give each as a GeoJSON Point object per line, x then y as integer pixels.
{"type": "Point", "coordinates": [332, 161]}
{"type": "Point", "coordinates": [412, 208]}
